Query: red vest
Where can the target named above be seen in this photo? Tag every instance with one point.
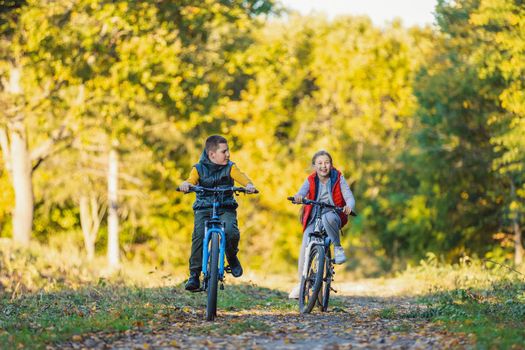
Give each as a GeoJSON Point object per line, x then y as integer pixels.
{"type": "Point", "coordinates": [337, 195]}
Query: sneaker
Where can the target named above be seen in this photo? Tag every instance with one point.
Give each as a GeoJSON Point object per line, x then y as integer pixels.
{"type": "Point", "coordinates": [339, 255]}
{"type": "Point", "coordinates": [294, 294]}
{"type": "Point", "coordinates": [235, 266]}
{"type": "Point", "coordinates": [193, 284]}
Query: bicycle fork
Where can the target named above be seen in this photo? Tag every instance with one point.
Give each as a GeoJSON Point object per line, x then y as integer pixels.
{"type": "Point", "coordinates": [206, 252]}
{"type": "Point", "coordinates": [308, 249]}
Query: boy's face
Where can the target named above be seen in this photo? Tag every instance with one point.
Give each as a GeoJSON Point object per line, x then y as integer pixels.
{"type": "Point", "coordinates": [322, 166]}
{"type": "Point", "coordinates": [221, 155]}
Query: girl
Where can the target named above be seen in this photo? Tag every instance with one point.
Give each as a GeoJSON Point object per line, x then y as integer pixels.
{"type": "Point", "coordinates": [325, 184]}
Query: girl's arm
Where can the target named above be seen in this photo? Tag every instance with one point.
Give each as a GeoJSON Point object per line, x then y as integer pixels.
{"type": "Point", "coordinates": [347, 193]}
{"type": "Point", "coordinates": [303, 191]}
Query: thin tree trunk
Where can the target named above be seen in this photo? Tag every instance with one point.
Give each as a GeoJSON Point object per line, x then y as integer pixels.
{"type": "Point", "coordinates": [22, 183]}
{"type": "Point", "coordinates": [90, 218]}
{"type": "Point", "coordinates": [518, 247]}
{"type": "Point", "coordinates": [113, 234]}
{"type": "Point", "coordinates": [86, 224]}
{"type": "Point", "coordinates": [18, 162]}
{"type": "Point", "coordinates": [518, 244]}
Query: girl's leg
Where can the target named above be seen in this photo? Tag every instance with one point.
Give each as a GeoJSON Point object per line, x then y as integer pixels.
{"type": "Point", "coordinates": [294, 294]}
{"type": "Point", "coordinates": [332, 224]}
{"type": "Point", "coordinates": [300, 263]}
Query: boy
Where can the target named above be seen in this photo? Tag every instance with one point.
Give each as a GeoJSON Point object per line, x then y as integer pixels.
{"type": "Point", "coordinates": [214, 169]}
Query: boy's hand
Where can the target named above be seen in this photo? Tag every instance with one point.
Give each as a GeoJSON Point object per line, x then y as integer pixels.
{"type": "Point", "coordinates": [347, 210]}
{"type": "Point", "coordinates": [297, 198]}
{"type": "Point", "coordinates": [185, 186]}
{"type": "Point", "coordinates": [250, 188]}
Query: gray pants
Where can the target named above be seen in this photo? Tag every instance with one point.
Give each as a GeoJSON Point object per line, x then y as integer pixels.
{"type": "Point", "coordinates": [332, 224]}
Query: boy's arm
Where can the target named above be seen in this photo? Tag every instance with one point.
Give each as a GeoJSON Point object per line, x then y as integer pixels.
{"type": "Point", "coordinates": [193, 179]}
{"type": "Point", "coordinates": [239, 176]}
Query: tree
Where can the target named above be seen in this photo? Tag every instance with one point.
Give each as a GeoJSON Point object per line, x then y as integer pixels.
{"type": "Point", "coordinates": [501, 56]}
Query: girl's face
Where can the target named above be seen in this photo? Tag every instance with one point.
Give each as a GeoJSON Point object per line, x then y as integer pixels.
{"type": "Point", "coordinates": [322, 166]}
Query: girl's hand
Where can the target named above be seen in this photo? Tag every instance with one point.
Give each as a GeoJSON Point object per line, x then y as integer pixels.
{"type": "Point", "coordinates": [347, 210]}
{"type": "Point", "coordinates": [297, 198]}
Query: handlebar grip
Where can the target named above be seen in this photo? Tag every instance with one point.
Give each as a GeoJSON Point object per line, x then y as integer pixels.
{"type": "Point", "coordinates": [290, 198]}
{"type": "Point", "coordinates": [179, 190]}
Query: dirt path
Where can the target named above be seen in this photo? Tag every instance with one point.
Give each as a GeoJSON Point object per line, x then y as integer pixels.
{"type": "Point", "coordinates": [353, 322]}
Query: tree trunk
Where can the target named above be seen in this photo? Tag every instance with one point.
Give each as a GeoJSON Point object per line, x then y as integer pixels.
{"type": "Point", "coordinates": [90, 218]}
{"type": "Point", "coordinates": [22, 182]}
{"type": "Point", "coordinates": [113, 234]}
{"type": "Point", "coordinates": [518, 244]}
{"type": "Point", "coordinates": [18, 162]}
{"type": "Point", "coordinates": [518, 247]}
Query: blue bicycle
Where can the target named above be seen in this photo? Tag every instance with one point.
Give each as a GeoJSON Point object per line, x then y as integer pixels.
{"type": "Point", "coordinates": [214, 247]}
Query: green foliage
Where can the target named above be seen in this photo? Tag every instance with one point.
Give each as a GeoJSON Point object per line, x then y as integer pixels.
{"type": "Point", "coordinates": [425, 123]}
{"type": "Point", "coordinates": [474, 296]}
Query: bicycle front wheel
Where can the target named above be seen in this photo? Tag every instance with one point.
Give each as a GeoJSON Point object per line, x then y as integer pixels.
{"type": "Point", "coordinates": [312, 282]}
{"type": "Point", "coordinates": [327, 281]}
{"type": "Point", "coordinates": [213, 271]}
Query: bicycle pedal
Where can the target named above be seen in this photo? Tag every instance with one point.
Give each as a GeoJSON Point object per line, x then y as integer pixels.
{"type": "Point", "coordinates": [333, 290]}
{"type": "Point", "coordinates": [221, 287]}
{"type": "Point", "coordinates": [228, 269]}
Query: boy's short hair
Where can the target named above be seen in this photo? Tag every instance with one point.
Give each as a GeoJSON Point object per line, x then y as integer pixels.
{"type": "Point", "coordinates": [212, 142]}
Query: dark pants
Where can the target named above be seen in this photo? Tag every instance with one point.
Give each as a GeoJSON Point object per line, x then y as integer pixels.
{"type": "Point", "coordinates": [229, 218]}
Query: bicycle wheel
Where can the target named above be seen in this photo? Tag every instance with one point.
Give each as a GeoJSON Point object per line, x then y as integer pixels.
{"type": "Point", "coordinates": [311, 283]}
{"type": "Point", "coordinates": [213, 270]}
{"type": "Point", "coordinates": [327, 281]}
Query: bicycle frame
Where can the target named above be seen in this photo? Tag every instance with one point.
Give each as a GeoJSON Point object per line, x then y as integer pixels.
{"type": "Point", "coordinates": [214, 226]}
{"type": "Point", "coordinates": [316, 238]}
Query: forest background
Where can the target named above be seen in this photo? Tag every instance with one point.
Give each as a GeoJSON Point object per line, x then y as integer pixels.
{"type": "Point", "coordinates": [106, 105]}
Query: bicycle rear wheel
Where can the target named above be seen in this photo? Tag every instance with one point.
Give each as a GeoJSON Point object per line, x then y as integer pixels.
{"type": "Point", "coordinates": [327, 281]}
{"type": "Point", "coordinates": [311, 283]}
{"type": "Point", "coordinates": [213, 271]}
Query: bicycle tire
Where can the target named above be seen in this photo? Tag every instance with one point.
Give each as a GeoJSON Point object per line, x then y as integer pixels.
{"type": "Point", "coordinates": [327, 281]}
{"type": "Point", "coordinates": [311, 283]}
{"type": "Point", "coordinates": [213, 270]}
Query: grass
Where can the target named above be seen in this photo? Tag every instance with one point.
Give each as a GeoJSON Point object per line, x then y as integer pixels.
{"type": "Point", "coordinates": [51, 298]}
{"type": "Point", "coordinates": [47, 297]}
{"type": "Point", "coordinates": [43, 318]}
{"type": "Point", "coordinates": [474, 297]}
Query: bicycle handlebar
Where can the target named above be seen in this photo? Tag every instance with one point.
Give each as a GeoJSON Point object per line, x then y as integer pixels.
{"type": "Point", "coordinates": [218, 189]}
{"type": "Point", "coordinates": [320, 204]}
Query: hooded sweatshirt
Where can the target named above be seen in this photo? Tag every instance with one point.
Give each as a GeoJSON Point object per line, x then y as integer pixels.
{"type": "Point", "coordinates": [208, 174]}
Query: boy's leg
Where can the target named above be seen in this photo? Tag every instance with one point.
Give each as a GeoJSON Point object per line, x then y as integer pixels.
{"type": "Point", "coordinates": [229, 217]}
{"type": "Point", "coordinates": [196, 249]}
